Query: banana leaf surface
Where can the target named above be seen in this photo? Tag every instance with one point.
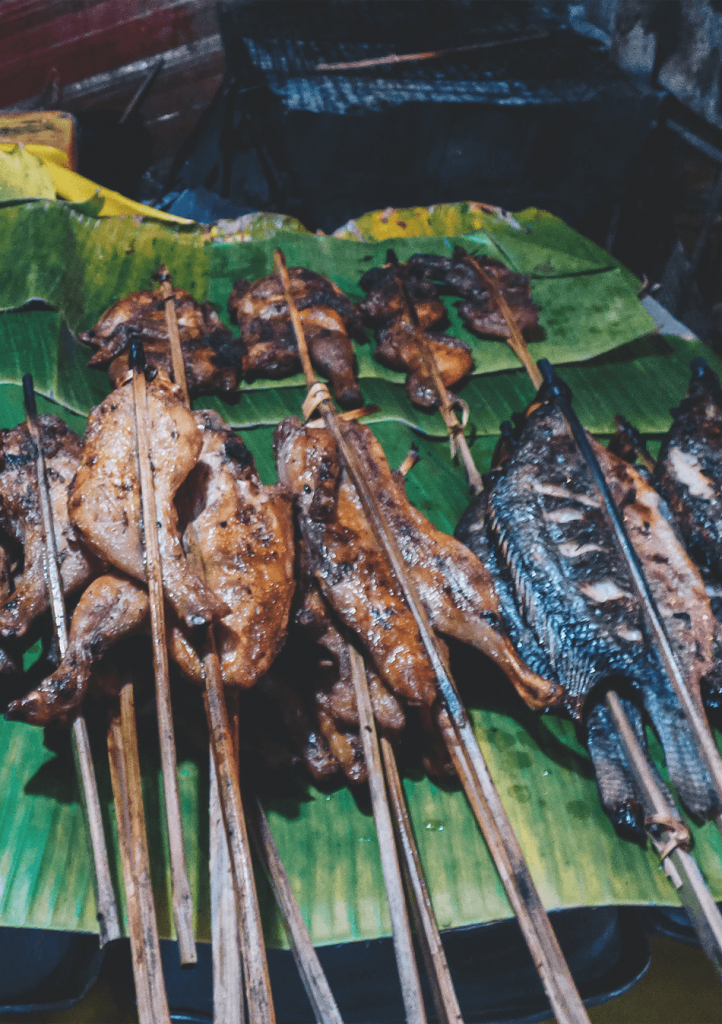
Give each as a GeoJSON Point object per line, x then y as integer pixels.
{"type": "Point", "coordinates": [327, 838]}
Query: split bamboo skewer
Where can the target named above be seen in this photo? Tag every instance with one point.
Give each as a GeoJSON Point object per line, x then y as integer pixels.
{"type": "Point", "coordinates": [516, 340]}
{"type": "Point", "coordinates": [314, 980]}
{"type": "Point", "coordinates": [553, 970]}
{"type": "Point", "coordinates": [456, 429]}
{"type": "Point", "coordinates": [182, 898]}
{"type": "Point", "coordinates": [437, 967]}
{"type": "Point", "coordinates": [403, 941]}
{"type": "Point", "coordinates": [142, 925]}
{"type": "Point", "coordinates": [108, 920]}
{"type": "Point", "coordinates": [248, 943]}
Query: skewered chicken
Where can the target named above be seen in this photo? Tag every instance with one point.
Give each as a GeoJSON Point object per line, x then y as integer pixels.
{"type": "Point", "coordinates": [105, 495]}
{"type": "Point", "coordinates": [386, 309]}
{"type": "Point", "coordinates": [460, 275]}
{"type": "Point", "coordinates": [354, 578]}
{"type": "Point", "coordinates": [329, 320]}
{"type": "Point", "coordinates": [212, 357]}
{"type": "Point", "coordinates": [21, 520]}
{"type": "Point", "coordinates": [244, 535]}
{"type": "Point", "coordinates": [570, 604]}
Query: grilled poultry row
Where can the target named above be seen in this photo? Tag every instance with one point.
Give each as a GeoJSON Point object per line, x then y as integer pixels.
{"type": "Point", "coordinates": [214, 361]}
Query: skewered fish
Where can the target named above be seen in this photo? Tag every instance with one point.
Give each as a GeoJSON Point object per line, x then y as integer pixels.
{"type": "Point", "coordinates": [571, 607]}
{"type": "Point", "coordinates": [212, 357]}
{"type": "Point", "coordinates": [21, 520]}
{"type": "Point", "coordinates": [385, 308]}
{"type": "Point", "coordinates": [356, 581]}
{"type": "Point", "coordinates": [105, 495]}
{"type": "Point", "coordinates": [329, 321]}
{"type": "Point", "coordinates": [460, 276]}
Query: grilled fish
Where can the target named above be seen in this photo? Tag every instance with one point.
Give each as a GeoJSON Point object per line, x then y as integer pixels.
{"type": "Point", "coordinates": [570, 603]}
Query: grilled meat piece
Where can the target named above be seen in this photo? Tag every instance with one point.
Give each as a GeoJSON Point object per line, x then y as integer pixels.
{"type": "Point", "coordinates": [113, 608]}
{"type": "Point", "coordinates": [354, 578]}
{"type": "Point", "coordinates": [244, 532]}
{"type": "Point", "coordinates": [305, 738]}
{"type": "Point", "coordinates": [460, 276]}
{"type": "Point", "coordinates": [568, 597]}
{"type": "Point", "coordinates": [105, 495]}
{"type": "Point", "coordinates": [329, 320]}
{"type": "Point", "coordinates": [212, 357]}
{"type": "Point", "coordinates": [386, 309]}
{"type": "Point", "coordinates": [21, 519]}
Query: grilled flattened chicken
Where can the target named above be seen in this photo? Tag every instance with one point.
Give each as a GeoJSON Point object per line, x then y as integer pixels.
{"type": "Point", "coordinates": [329, 320]}
{"type": "Point", "coordinates": [211, 355]}
{"type": "Point", "coordinates": [244, 532]}
{"type": "Point", "coordinates": [385, 308]}
{"type": "Point", "coordinates": [570, 604]}
{"type": "Point", "coordinates": [21, 519]}
{"type": "Point", "coordinates": [460, 276]}
{"type": "Point", "coordinates": [105, 495]}
{"type": "Point", "coordinates": [354, 578]}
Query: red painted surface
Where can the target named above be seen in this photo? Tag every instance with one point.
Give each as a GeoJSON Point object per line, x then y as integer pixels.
{"type": "Point", "coordinates": [80, 38]}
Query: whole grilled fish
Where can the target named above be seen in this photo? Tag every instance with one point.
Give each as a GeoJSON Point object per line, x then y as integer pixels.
{"type": "Point", "coordinates": [570, 605]}
{"type": "Point", "coordinates": [688, 475]}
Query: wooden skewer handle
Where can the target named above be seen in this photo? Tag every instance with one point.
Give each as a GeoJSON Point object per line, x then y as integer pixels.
{"type": "Point", "coordinates": [108, 917]}
{"type": "Point", "coordinates": [403, 942]}
{"type": "Point", "coordinates": [496, 828]}
{"type": "Point", "coordinates": [182, 898]}
{"type": "Point", "coordinates": [447, 1005]}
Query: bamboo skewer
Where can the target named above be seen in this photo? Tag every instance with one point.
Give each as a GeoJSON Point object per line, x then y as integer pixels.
{"type": "Point", "coordinates": [127, 789]}
{"type": "Point", "coordinates": [516, 340]}
{"type": "Point", "coordinates": [673, 845]}
{"type": "Point", "coordinates": [456, 429]}
{"type": "Point", "coordinates": [309, 967]}
{"type": "Point", "coordinates": [248, 947]}
{"type": "Point", "coordinates": [549, 960]}
{"type": "Point", "coordinates": [108, 919]}
{"type": "Point", "coordinates": [437, 968]}
{"type": "Point", "coordinates": [182, 899]}
{"type": "Point", "coordinates": [403, 941]}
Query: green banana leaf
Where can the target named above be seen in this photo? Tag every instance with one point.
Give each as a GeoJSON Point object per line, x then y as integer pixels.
{"type": "Point", "coordinates": [327, 838]}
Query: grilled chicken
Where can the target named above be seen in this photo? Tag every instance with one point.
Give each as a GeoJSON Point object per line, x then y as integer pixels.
{"type": "Point", "coordinates": [105, 495]}
{"type": "Point", "coordinates": [460, 275]}
{"type": "Point", "coordinates": [386, 309]}
{"type": "Point", "coordinates": [244, 533]}
{"type": "Point", "coordinates": [21, 520]}
{"type": "Point", "coordinates": [305, 736]}
{"type": "Point", "coordinates": [329, 320]}
{"type": "Point", "coordinates": [211, 355]}
{"type": "Point", "coordinates": [570, 604]}
{"type": "Point", "coordinates": [354, 577]}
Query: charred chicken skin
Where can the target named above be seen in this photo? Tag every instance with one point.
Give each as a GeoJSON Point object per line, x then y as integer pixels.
{"type": "Point", "coordinates": [21, 520]}
{"type": "Point", "coordinates": [386, 309]}
{"type": "Point", "coordinates": [211, 355]}
{"type": "Point", "coordinates": [569, 603]}
{"type": "Point", "coordinates": [329, 321]}
{"type": "Point", "coordinates": [459, 275]}
{"type": "Point", "coordinates": [354, 578]}
{"type": "Point", "coordinates": [105, 495]}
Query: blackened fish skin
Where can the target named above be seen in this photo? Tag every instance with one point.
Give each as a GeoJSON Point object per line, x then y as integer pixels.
{"type": "Point", "coordinates": [572, 587]}
{"type": "Point", "coordinates": [689, 471]}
